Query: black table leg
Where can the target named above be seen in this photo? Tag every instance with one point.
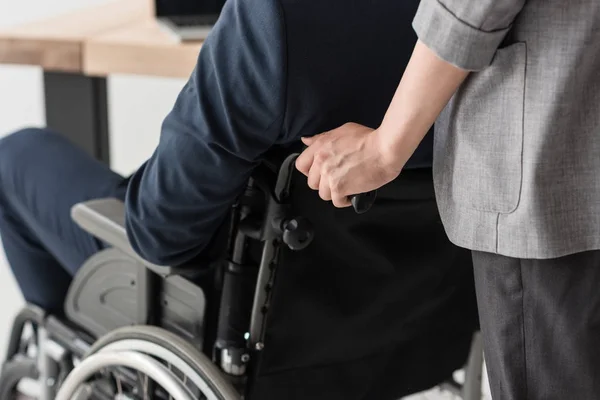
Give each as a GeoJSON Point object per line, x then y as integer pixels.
{"type": "Point", "coordinates": [77, 107]}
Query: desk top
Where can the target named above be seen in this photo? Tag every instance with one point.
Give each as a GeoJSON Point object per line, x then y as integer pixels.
{"type": "Point", "coordinates": [141, 47]}
{"type": "Point", "coordinates": [56, 43]}
{"type": "Point", "coordinates": [120, 37]}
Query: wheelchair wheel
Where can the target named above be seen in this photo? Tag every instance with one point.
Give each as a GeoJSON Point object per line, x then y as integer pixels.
{"type": "Point", "coordinates": [165, 365]}
{"type": "Point", "coordinates": [14, 372]}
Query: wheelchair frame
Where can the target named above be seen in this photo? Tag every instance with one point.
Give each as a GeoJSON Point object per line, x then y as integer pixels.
{"type": "Point", "coordinates": [104, 219]}
{"type": "Point", "coordinates": [245, 294]}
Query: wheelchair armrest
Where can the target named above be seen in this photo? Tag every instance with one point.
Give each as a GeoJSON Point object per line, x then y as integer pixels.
{"type": "Point", "coordinates": [105, 219]}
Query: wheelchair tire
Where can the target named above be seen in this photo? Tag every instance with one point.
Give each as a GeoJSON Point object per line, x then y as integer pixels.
{"type": "Point", "coordinates": [13, 372]}
{"type": "Point", "coordinates": [209, 373]}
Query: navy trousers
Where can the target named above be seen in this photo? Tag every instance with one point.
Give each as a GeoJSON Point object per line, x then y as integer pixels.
{"type": "Point", "coordinates": [42, 175]}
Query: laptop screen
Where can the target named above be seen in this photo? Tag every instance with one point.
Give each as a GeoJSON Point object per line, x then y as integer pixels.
{"type": "Point", "coordinates": [171, 8]}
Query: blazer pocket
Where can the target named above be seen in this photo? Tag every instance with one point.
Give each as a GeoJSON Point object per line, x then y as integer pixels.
{"type": "Point", "coordinates": [483, 142]}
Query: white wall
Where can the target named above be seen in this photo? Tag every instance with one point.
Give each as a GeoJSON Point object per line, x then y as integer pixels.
{"type": "Point", "coordinates": [137, 106]}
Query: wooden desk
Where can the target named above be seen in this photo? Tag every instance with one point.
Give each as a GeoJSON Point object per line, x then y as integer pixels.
{"type": "Point", "coordinates": [141, 48]}
{"type": "Point", "coordinates": [56, 44]}
{"type": "Point", "coordinates": [75, 102]}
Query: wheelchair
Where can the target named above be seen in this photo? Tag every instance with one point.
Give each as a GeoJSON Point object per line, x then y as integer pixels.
{"type": "Point", "coordinates": [135, 330]}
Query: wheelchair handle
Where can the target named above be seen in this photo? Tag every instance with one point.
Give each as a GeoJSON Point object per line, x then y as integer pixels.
{"type": "Point", "coordinates": [360, 202]}
{"type": "Point", "coordinates": [363, 202]}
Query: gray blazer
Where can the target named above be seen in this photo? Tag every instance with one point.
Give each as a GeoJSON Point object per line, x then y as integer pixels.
{"type": "Point", "coordinates": [517, 152]}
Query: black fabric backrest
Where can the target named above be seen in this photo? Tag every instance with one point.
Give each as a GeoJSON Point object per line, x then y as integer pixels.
{"type": "Point", "coordinates": [372, 295]}
{"type": "Point", "coordinates": [345, 59]}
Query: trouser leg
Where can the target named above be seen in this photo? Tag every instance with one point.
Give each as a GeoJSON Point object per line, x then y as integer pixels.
{"type": "Point", "coordinates": [541, 325]}
{"type": "Point", "coordinates": [42, 175]}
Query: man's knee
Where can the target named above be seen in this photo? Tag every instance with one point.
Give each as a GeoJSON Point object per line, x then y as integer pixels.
{"type": "Point", "coordinates": [17, 150]}
{"type": "Point", "coordinates": [18, 147]}
{"type": "Point", "coordinates": [13, 144]}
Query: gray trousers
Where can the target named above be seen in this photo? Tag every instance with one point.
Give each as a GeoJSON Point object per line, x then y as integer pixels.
{"type": "Point", "coordinates": [540, 321]}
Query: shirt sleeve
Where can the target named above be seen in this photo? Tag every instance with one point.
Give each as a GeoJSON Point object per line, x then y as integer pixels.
{"type": "Point", "coordinates": [225, 118]}
{"type": "Point", "coordinates": [465, 33]}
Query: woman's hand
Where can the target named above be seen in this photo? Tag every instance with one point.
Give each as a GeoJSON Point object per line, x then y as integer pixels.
{"type": "Point", "coordinates": [354, 159]}
{"type": "Point", "coordinates": [349, 160]}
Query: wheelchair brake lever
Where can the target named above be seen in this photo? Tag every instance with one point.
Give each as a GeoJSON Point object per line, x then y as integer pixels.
{"type": "Point", "coordinates": [363, 202]}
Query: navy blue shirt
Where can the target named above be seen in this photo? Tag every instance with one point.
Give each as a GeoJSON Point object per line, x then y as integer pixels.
{"type": "Point", "coordinates": [270, 72]}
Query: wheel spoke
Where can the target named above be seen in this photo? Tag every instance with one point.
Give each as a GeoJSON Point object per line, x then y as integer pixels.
{"type": "Point", "coordinates": [146, 383]}
{"type": "Point", "coordinates": [84, 392]}
{"type": "Point", "coordinates": [170, 369]}
{"type": "Point", "coordinates": [119, 385]}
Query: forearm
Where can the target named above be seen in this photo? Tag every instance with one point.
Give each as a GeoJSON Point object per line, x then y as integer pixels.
{"type": "Point", "coordinates": [426, 87]}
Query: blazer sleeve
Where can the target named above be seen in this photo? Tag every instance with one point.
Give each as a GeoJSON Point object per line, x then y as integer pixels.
{"type": "Point", "coordinates": [465, 33]}
{"type": "Point", "coordinates": [226, 117]}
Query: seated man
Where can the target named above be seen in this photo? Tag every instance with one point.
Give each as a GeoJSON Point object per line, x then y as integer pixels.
{"type": "Point", "coordinates": [357, 315]}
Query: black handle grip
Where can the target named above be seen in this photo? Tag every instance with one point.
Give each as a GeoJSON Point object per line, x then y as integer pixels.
{"type": "Point", "coordinates": [363, 202]}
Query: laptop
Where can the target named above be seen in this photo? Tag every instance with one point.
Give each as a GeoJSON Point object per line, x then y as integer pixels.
{"type": "Point", "coordinates": [188, 19]}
